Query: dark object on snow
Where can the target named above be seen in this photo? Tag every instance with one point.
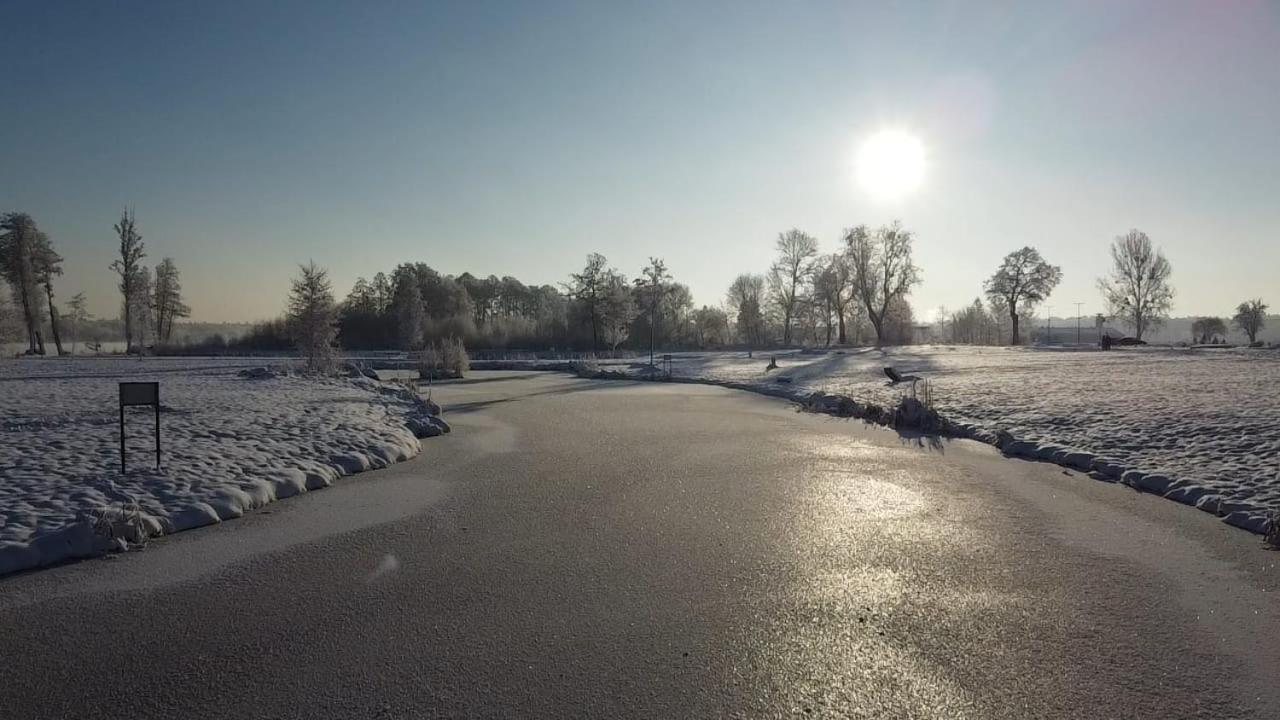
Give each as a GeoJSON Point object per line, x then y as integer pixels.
{"type": "Point", "coordinates": [773, 364]}
{"type": "Point", "coordinates": [258, 373]}
{"type": "Point", "coordinates": [1106, 342]}
{"type": "Point", "coordinates": [1128, 341]}
{"type": "Point", "coordinates": [782, 379]}
{"type": "Point", "coordinates": [896, 377]}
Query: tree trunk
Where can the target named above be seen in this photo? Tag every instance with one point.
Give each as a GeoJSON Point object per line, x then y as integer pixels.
{"type": "Point", "coordinates": [1013, 315]}
{"type": "Point", "coordinates": [595, 334]}
{"type": "Point", "coordinates": [878, 325]}
{"type": "Point", "coordinates": [28, 317]}
{"type": "Point", "coordinates": [53, 318]}
{"type": "Point", "coordinates": [841, 336]}
{"type": "Point", "coordinates": [128, 323]}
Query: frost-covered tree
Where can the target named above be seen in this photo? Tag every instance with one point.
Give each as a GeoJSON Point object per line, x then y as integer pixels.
{"type": "Point", "coordinates": [1251, 317]}
{"type": "Point", "coordinates": [744, 301]}
{"type": "Point", "coordinates": [651, 290]}
{"type": "Point", "coordinates": [975, 325]}
{"type": "Point", "coordinates": [1022, 281]}
{"type": "Point", "coordinates": [790, 275]}
{"type": "Point", "coordinates": [382, 292]}
{"type": "Point", "coordinates": [313, 316]}
{"type": "Point", "coordinates": [129, 266]}
{"type": "Point", "coordinates": [406, 305]}
{"type": "Point", "coordinates": [883, 271]}
{"type": "Point", "coordinates": [20, 241]}
{"type": "Point", "coordinates": [10, 324]}
{"type": "Point", "coordinates": [1206, 330]}
{"type": "Point", "coordinates": [1138, 291]}
{"type": "Point", "coordinates": [593, 289]}
{"type": "Point", "coordinates": [710, 326]}
{"type": "Point", "coordinates": [78, 314]}
{"type": "Point", "coordinates": [617, 310]}
{"type": "Point", "coordinates": [47, 265]}
{"type": "Point", "coordinates": [140, 309]}
{"type": "Point", "coordinates": [166, 299]}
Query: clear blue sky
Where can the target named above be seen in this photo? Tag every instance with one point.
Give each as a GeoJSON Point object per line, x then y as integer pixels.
{"type": "Point", "coordinates": [516, 138]}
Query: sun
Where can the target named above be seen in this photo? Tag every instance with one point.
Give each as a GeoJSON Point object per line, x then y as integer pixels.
{"type": "Point", "coordinates": [890, 164]}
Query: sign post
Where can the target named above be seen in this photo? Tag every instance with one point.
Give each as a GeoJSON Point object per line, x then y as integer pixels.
{"type": "Point", "coordinates": [134, 394]}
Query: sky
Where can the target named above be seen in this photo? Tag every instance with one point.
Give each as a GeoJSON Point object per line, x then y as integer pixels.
{"type": "Point", "coordinates": [514, 139]}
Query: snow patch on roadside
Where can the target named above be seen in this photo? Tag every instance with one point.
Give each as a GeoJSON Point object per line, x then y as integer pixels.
{"type": "Point", "coordinates": [236, 436]}
{"type": "Point", "coordinates": [1201, 429]}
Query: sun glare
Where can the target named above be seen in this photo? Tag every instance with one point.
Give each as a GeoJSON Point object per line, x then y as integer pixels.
{"type": "Point", "coordinates": [890, 164]}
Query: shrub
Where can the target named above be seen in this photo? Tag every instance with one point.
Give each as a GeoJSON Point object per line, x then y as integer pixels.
{"type": "Point", "coordinates": [445, 358]}
{"type": "Point", "coordinates": [587, 367]}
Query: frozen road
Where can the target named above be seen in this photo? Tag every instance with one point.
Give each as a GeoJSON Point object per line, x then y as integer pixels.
{"type": "Point", "coordinates": [591, 549]}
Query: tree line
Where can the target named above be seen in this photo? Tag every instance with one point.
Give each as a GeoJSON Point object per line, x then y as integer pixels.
{"type": "Point", "coordinates": [855, 294]}
{"type": "Point", "coordinates": [150, 303]}
{"type": "Point", "coordinates": [1137, 291]}
{"type": "Point", "coordinates": [598, 309]}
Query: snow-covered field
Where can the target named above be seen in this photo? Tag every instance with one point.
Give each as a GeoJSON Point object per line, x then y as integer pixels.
{"type": "Point", "coordinates": [230, 444]}
{"type": "Point", "coordinates": [1199, 426]}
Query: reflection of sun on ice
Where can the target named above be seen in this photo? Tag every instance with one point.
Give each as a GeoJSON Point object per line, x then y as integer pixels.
{"type": "Point", "coordinates": [890, 164]}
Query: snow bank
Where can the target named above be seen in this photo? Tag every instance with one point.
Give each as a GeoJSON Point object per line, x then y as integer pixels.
{"type": "Point", "coordinates": [236, 436]}
{"type": "Point", "coordinates": [1202, 428]}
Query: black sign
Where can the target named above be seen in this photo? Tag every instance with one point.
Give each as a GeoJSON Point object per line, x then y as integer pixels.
{"type": "Point", "coordinates": [139, 393]}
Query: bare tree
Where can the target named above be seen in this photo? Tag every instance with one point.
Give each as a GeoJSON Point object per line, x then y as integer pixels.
{"type": "Point", "coordinates": [140, 309]}
{"type": "Point", "coordinates": [1138, 290]}
{"type": "Point", "coordinates": [128, 266]}
{"type": "Point", "coordinates": [79, 315]}
{"type": "Point", "coordinates": [790, 273]}
{"type": "Point", "coordinates": [652, 287]}
{"type": "Point", "coordinates": [47, 263]}
{"type": "Point", "coordinates": [1023, 280]}
{"type": "Point", "coordinates": [592, 289]}
{"type": "Point", "coordinates": [166, 300]}
{"type": "Point", "coordinates": [313, 316]}
{"type": "Point", "coordinates": [19, 243]}
{"type": "Point", "coordinates": [1206, 330]}
{"type": "Point", "coordinates": [834, 283]}
{"type": "Point", "coordinates": [743, 299]}
{"type": "Point", "coordinates": [882, 270]}
{"type": "Point", "coordinates": [1250, 317]}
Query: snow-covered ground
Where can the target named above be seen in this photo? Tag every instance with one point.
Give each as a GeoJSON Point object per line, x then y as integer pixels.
{"type": "Point", "coordinates": [1200, 426]}
{"type": "Point", "coordinates": [230, 444]}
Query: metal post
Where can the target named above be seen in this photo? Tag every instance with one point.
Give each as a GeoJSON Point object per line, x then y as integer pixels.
{"type": "Point", "coordinates": [157, 433]}
{"type": "Point", "coordinates": [122, 467]}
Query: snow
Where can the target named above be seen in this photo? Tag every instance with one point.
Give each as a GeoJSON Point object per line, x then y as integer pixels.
{"type": "Point", "coordinates": [233, 440]}
{"type": "Point", "coordinates": [1201, 427]}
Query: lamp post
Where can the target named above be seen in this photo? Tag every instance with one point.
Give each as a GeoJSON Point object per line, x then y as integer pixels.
{"type": "Point", "coordinates": [1048, 317]}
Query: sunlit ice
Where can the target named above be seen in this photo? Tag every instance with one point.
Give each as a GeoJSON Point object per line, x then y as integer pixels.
{"type": "Point", "coordinates": [890, 164]}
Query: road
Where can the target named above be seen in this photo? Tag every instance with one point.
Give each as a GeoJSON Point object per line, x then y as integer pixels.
{"type": "Point", "coordinates": [609, 549]}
